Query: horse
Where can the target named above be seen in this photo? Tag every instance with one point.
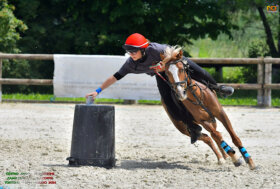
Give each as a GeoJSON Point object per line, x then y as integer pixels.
{"type": "Point", "coordinates": [182, 126]}
{"type": "Point", "coordinates": [203, 104]}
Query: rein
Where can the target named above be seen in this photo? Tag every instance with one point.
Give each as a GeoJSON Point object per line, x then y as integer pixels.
{"type": "Point", "coordinates": [168, 83]}
{"type": "Point", "coordinates": [189, 87]}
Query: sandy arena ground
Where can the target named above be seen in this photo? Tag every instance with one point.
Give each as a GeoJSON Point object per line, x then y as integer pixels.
{"type": "Point", "coordinates": [150, 151]}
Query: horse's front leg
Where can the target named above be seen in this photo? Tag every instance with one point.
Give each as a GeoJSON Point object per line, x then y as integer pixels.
{"type": "Point", "coordinates": [235, 139]}
{"type": "Point", "coordinates": [216, 135]}
{"type": "Point", "coordinates": [207, 140]}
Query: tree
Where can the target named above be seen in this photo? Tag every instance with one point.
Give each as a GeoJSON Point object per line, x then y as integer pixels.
{"type": "Point", "coordinates": [260, 5]}
{"type": "Point", "coordinates": [101, 26]}
{"type": "Point", "coordinates": [269, 37]}
{"type": "Point", "coordinates": [10, 28]}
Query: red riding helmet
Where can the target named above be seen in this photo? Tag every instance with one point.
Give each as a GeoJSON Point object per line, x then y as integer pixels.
{"type": "Point", "coordinates": [135, 42]}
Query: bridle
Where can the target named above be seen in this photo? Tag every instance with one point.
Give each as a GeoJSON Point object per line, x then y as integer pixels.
{"type": "Point", "coordinates": [175, 84]}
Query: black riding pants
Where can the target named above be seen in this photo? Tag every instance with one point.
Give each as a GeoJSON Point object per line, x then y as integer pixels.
{"type": "Point", "coordinates": [174, 106]}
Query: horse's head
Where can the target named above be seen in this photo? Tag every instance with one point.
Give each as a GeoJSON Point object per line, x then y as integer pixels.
{"type": "Point", "coordinates": [175, 70]}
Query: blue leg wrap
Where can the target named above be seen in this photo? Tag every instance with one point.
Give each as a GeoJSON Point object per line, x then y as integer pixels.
{"type": "Point", "coordinates": [245, 154]}
{"type": "Point", "coordinates": [227, 148]}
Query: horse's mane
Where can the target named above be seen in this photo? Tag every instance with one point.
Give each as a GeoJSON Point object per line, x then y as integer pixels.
{"type": "Point", "coordinates": [171, 52]}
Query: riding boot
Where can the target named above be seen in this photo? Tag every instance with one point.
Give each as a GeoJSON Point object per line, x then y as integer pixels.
{"type": "Point", "coordinates": [195, 132]}
{"type": "Point", "coordinates": [222, 89]}
{"type": "Point", "coordinates": [226, 90]}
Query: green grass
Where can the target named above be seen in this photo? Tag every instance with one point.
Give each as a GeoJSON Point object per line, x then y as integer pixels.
{"type": "Point", "coordinates": [239, 98]}
{"type": "Point", "coordinates": [238, 101]}
{"type": "Point", "coordinates": [249, 98]}
{"type": "Point", "coordinates": [52, 98]}
{"type": "Point", "coordinates": [154, 102]}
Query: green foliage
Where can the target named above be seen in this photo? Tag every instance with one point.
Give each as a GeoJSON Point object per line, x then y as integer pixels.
{"type": "Point", "coordinates": [223, 47]}
{"type": "Point", "coordinates": [258, 48]}
{"type": "Point", "coordinates": [233, 75]}
{"type": "Point", "coordinates": [100, 27]}
{"type": "Point", "coordinates": [250, 29]}
{"type": "Point", "coordinates": [248, 41]}
{"type": "Point", "coordinates": [10, 28]}
{"type": "Point", "coordinates": [269, 20]}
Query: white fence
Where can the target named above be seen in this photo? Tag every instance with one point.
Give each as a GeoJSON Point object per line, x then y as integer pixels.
{"type": "Point", "coordinates": [76, 75]}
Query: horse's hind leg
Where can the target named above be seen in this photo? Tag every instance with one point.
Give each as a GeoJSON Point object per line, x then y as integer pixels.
{"type": "Point", "coordinates": [216, 135]}
{"type": "Point", "coordinates": [235, 139]}
{"type": "Point", "coordinates": [204, 137]}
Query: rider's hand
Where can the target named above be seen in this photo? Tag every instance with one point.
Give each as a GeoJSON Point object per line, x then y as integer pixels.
{"type": "Point", "coordinates": [93, 94]}
{"type": "Point", "coordinates": [157, 67]}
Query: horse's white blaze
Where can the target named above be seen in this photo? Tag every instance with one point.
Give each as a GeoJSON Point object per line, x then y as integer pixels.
{"type": "Point", "coordinates": [174, 71]}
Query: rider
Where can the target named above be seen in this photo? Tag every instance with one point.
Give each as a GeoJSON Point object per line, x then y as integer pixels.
{"type": "Point", "coordinates": [143, 54]}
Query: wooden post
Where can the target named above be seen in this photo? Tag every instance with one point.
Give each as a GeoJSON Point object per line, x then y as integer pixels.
{"type": "Point", "coordinates": [267, 80]}
{"type": "Point", "coordinates": [129, 101]}
{"type": "Point", "coordinates": [219, 69]}
{"type": "Point", "coordinates": [0, 78]}
{"type": "Point", "coordinates": [260, 97]}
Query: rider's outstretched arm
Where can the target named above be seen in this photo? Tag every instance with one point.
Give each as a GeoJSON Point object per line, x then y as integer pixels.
{"type": "Point", "coordinates": [107, 83]}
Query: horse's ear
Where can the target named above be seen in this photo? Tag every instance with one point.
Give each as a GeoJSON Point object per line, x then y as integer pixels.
{"type": "Point", "coordinates": [180, 55]}
{"type": "Point", "coordinates": [161, 56]}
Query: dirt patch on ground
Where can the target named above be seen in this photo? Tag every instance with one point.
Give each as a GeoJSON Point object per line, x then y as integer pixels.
{"type": "Point", "coordinates": [150, 152]}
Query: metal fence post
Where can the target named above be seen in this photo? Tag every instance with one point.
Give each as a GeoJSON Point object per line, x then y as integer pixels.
{"type": "Point", "coordinates": [0, 78]}
{"type": "Point", "coordinates": [260, 97]}
{"type": "Point", "coordinates": [267, 80]}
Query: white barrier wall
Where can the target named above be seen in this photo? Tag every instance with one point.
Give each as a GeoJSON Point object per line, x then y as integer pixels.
{"type": "Point", "coordinates": [77, 75]}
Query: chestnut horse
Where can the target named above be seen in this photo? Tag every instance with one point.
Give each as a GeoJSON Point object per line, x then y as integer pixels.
{"type": "Point", "coordinates": [202, 103]}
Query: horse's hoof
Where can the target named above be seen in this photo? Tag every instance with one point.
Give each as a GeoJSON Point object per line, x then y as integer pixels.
{"type": "Point", "coordinates": [221, 161]}
{"type": "Point", "coordinates": [255, 168]}
{"type": "Point", "coordinates": [251, 164]}
{"type": "Point", "coordinates": [238, 162]}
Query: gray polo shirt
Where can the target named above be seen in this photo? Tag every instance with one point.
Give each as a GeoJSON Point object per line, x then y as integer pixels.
{"type": "Point", "coordinates": [152, 56]}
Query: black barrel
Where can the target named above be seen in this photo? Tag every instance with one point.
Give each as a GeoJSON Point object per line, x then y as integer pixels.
{"type": "Point", "coordinates": [93, 137]}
